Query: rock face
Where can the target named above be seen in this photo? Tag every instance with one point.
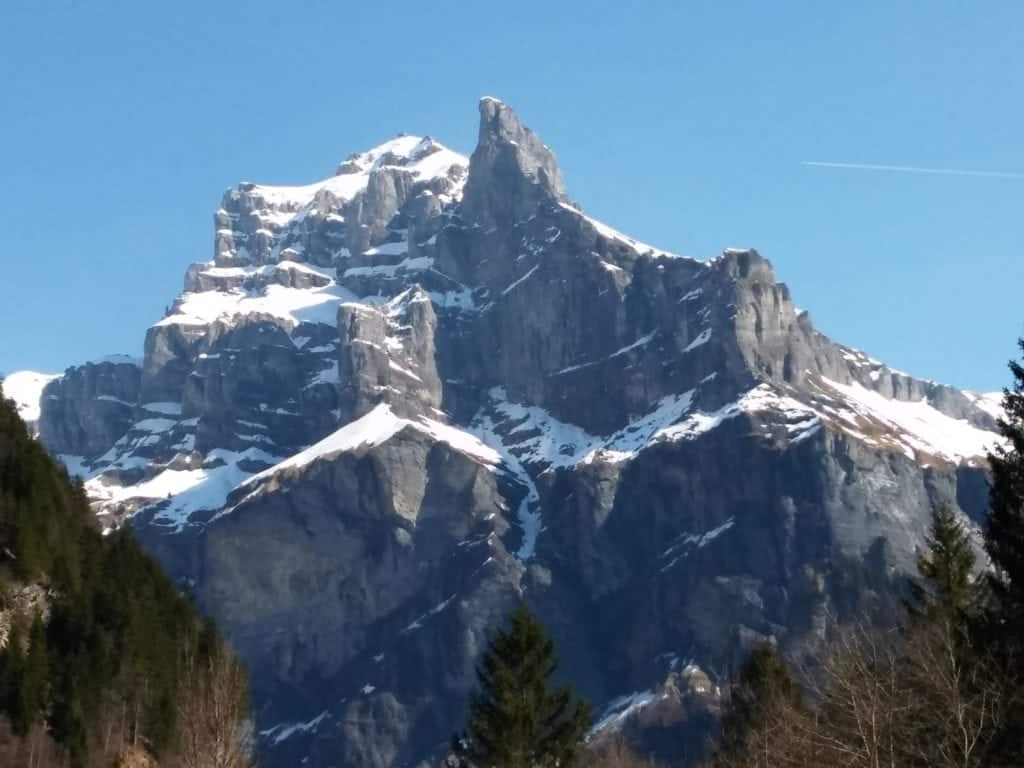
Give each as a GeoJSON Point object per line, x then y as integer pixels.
{"type": "Point", "coordinates": [402, 398]}
{"type": "Point", "coordinates": [86, 410]}
{"type": "Point", "coordinates": [511, 172]}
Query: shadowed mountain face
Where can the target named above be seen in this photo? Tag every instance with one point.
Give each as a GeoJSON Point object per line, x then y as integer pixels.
{"type": "Point", "coordinates": [402, 398]}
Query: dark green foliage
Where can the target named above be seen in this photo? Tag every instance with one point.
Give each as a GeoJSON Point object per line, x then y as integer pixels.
{"type": "Point", "coordinates": [42, 515]}
{"type": "Point", "coordinates": [1004, 538]}
{"type": "Point", "coordinates": [29, 689]}
{"type": "Point", "coordinates": [104, 670]}
{"type": "Point", "coordinates": [13, 694]}
{"type": "Point", "coordinates": [1001, 630]}
{"type": "Point", "coordinates": [517, 720]}
{"type": "Point", "coordinates": [764, 683]}
{"type": "Point", "coordinates": [945, 590]}
{"type": "Point", "coordinates": [125, 631]}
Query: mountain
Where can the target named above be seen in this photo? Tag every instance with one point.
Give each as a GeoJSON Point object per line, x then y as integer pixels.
{"type": "Point", "coordinates": [400, 399]}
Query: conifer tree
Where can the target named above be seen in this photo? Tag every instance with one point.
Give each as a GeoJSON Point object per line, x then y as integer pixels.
{"type": "Point", "coordinates": [12, 671]}
{"type": "Point", "coordinates": [945, 589]}
{"type": "Point", "coordinates": [1002, 631]}
{"type": "Point", "coordinates": [517, 720]}
{"type": "Point", "coordinates": [1004, 538]}
{"type": "Point", "coordinates": [33, 677]}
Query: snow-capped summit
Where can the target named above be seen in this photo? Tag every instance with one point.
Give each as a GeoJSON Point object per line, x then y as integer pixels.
{"type": "Point", "coordinates": [261, 224]}
{"type": "Point", "coordinates": [399, 399]}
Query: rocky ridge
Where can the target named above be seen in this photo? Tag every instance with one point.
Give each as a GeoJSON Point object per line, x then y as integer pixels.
{"type": "Point", "coordinates": [400, 399]}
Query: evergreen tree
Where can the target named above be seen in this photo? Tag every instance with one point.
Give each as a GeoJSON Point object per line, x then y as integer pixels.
{"type": "Point", "coordinates": [12, 673]}
{"type": "Point", "coordinates": [517, 720]}
{"type": "Point", "coordinates": [1004, 538]}
{"type": "Point", "coordinates": [29, 694]}
{"type": "Point", "coordinates": [945, 570]}
{"type": "Point", "coordinates": [1002, 630]}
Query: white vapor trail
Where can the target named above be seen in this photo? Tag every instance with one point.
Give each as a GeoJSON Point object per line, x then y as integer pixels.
{"type": "Point", "coordinates": [915, 169]}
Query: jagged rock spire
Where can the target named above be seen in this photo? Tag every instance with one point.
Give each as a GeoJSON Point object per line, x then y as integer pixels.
{"type": "Point", "coordinates": [511, 170]}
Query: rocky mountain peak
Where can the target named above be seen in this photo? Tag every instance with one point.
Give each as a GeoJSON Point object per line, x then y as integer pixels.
{"type": "Point", "coordinates": [398, 400]}
{"type": "Point", "coordinates": [510, 172]}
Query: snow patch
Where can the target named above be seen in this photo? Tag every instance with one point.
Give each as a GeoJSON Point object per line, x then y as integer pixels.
{"type": "Point", "coordinates": [290, 306]}
{"type": "Point", "coordinates": [419, 264]}
{"type": "Point", "coordinates": [528, 513]}
{"type": "Point", "coordinates": [424, 158]}
{"type": "Point", "coordinates": [703, 338]}
{"type": "Point", "coordinates": [614, 234]}
{"type": "Point", "coordinates": [535, 437]}
{"type": "Point", "coordinates": [418, 624]}
{"type": "Point", "coordinates": [917, 426]}
{"type": "Point", "coordinates": [283, 731]}
{"type": "Point", "coordinates": [619, 710]}
{"type": "Point", "coordinates": [681, 546]}
{"type": "Point", "coordinates": [25, 388]}
{"type": "Point", "coordinates": [377, 427]}
{"type": "Point", "coordinates": [990, 402]}
{"type": "Point", "coordinates": [185, 491]}
{"type": "Point", "coordinates": [520, 280]}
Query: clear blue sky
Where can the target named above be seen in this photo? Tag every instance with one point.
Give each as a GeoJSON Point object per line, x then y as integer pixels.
{"type": "Point", "coordinates": [684, 124]}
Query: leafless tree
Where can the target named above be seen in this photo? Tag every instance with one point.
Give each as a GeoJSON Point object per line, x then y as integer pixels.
{"type": "Point", "coordinates": [783, 737]}
{"type": "Point", "coordinates": [863, 711]}
{"type": "Point", "coordinates": [213, 712]}
{"type": "Point", "coordinates": [922, 697]}
{"type": "Point", "coordinates": [959, 691]}
{"type": "Point", "coordinates": [614, 752]}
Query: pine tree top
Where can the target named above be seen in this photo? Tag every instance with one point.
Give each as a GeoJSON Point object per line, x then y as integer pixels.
{"type": "Point", "coordinates": [945, 567]}
{"type": "Point", "coordinates": [1004, 538]}
{"type": "Point", "coordinates": [518, 718]}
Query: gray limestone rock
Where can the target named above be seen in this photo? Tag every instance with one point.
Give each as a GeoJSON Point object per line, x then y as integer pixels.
{"type": "Point", "coordinates": [415, 404]}
{"type": "Point", "coordinates": [511, 171]}
{"type": "Point", "coordinates": [92, 405]}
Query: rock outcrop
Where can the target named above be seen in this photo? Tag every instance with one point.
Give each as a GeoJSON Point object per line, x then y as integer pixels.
{"type": "Point", "coordinates": [402, 398]}
{"type": "Point", "coordinates": [85, 411]}
{"type": "Point", "coordinates": [511, 171]}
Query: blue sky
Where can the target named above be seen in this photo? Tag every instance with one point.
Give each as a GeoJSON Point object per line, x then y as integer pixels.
{"type": "Point", "coordinates": [684, 124]}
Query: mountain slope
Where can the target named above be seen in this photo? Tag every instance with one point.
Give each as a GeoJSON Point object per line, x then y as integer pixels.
{"type": "Point", "coordinates": [398, 399]}
{"type": "Point", "coordinates": [94, 638]}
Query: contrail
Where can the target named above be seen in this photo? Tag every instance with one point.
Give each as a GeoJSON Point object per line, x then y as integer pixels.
{"type": "Point", "coordinates": [915, 169]}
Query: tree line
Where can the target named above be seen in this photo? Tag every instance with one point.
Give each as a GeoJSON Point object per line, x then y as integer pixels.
{"type": "Point", "coordinates": [109, 660]}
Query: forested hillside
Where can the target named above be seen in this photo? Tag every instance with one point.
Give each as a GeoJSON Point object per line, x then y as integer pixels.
{"type": "Point", "coordinates": [102, 661]}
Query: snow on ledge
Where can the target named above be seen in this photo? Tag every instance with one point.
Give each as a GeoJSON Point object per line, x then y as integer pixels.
{"type": "Point", "coordinates": [990, 402]}
{"type": "Point", "coordinates": [422, 157]}
{"type": "Point", "coordinates": [613, 234]}
{"type": "Point", "coordinates": [619, 710]}
{"type": "Point", "coordinates": [919, 429]}
{"type": "Point", "coordinates": [290, 305]}
{"type": "Point", "coordinates": [283, 731]}
{"type": "Point", "coordinates": [377, 427]}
